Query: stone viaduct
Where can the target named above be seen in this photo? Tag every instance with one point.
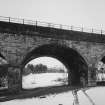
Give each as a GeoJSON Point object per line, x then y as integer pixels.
{"type": "Point", "coordinates": [78, 51]}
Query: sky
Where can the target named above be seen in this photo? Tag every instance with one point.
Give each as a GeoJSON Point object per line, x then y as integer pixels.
{"type": "Point", "coordinates": [86, 13]}
{"type": "Point", "coordinates": [49, 62]}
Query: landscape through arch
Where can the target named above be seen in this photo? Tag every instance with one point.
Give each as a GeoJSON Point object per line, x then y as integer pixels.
{"type": "Point", "coordinates": [44, 72]}
{"type": "Point", "coordinates": [74, 62]}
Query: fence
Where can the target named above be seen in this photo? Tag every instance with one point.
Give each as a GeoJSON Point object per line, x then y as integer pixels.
{"type": "Point", "coordinates": [45, 24]}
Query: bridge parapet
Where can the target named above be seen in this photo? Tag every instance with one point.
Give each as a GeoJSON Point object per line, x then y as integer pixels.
{"type": "Point", "coordinates": [51, 25]}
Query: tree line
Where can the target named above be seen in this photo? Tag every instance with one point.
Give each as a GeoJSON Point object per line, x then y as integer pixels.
{"type": "Point", "coordinates": [40, 68]}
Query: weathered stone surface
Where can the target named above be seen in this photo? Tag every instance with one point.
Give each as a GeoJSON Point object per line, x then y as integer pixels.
{"type": "Point", "coordinates": [15, 45]}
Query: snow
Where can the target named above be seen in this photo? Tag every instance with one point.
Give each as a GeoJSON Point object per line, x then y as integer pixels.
{"type": "Point", "coordinates": [93, 95]}
{"type": "Point", "coordinates": [43, 80]}
{"type": "Point", "coordinates": [96, 94]}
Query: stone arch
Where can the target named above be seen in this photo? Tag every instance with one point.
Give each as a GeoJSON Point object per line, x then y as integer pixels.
{"type": "Point", "coordinates": [99, 59]}
{"type": "Point", "coordinates": [3, 72]}
{"type": "Point", "coordinates": [74, 62]}
{"type": "Point", "coordinates": [3, 65]}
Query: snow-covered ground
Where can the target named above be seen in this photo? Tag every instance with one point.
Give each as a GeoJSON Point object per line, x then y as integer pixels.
{"type": "Point", "coordinates": [93, 96]}
{"type": "Point", "coordinates": [97, 95]}
{"type": "Point", "coordinates": [43, 80]}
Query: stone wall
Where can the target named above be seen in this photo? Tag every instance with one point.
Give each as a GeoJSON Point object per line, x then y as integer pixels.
{"type": "Point", "coordinates": [14, 46]}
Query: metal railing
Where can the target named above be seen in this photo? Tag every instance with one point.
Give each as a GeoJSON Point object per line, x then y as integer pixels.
{"type": "Point", "coordinates": [51, 25]}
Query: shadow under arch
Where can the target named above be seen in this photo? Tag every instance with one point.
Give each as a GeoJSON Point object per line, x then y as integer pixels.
{"type": "Point", "coordinates": [73, 61]}
{"type": "Point", "coordinates": [2, 56]}
{"type": "Point", "coordinates": [100, 58]}
{"type": "Point", "coordinates": [3, 74]}
{"type": "Point", "coordinates": [103, 59]}
{"type": "Point", "coordinates": [3, 65]}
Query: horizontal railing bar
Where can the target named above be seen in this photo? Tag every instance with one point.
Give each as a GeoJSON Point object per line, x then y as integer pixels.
{"type": "Point", "coordinates": [51, 25]}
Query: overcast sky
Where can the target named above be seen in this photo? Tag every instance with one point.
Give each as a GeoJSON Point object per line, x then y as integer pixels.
{"type": "Point", "coordinates": [49, 62]}
{"type": "Point", "coordinates": [87, 13]}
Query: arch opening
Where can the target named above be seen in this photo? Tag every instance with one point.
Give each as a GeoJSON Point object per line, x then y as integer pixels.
{"type": "Point", "coordinates": [43, 72]}
{"type": "Point", "coordinates": [73, 61]}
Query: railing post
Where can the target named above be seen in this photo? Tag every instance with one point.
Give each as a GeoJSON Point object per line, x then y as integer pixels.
{"type": "Point", "coordinates": [101, 32]}
{"type": "Point", "coordinates": [71, 27]}
{"type": "Point", "coordinates": [49, 24]}
{"type": "Point", "coordinates": [92, 30]}
{"type": "Point", "coordinates": [9, 19]}
{"type": "Point", "coordinates": [23, 21]}
{"type": "Point", "coordinates": [36, 23]}
{"type": "Point", "coordinates": [82, 29]}
{"type": "Point", "coordinates": [60, 26]}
